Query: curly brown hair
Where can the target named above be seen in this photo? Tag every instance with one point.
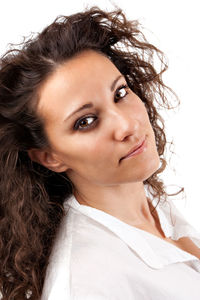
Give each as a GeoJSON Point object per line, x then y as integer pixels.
{"type": "Point", "coordinates": [31, 196]}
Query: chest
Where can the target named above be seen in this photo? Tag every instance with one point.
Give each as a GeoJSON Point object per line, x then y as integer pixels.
{"type": "Point", "coordinates": [185, 244]}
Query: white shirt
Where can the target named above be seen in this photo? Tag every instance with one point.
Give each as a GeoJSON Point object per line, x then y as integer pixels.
{"type": "Point", "coordinates": [96, 256]}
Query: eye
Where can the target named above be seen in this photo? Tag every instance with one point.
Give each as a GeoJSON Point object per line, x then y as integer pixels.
{"type": "Point", "coordinates": [118, 92]}
{"type": "Point", "coordinates": [83, 124]}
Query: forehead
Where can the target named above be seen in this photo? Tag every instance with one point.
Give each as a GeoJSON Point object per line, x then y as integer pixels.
{"type": "Point", "coordinates": [74, 81]}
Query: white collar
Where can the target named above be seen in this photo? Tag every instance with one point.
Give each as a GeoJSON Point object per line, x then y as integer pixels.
{"type": "Point", "coordinates": [158, 253]}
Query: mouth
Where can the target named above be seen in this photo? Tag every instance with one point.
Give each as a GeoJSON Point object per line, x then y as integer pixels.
{"type": "Point", "coordinates": [135, 149]}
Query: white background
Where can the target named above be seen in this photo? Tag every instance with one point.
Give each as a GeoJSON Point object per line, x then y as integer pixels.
{"type": "Point", "coordinates": [173, 26]}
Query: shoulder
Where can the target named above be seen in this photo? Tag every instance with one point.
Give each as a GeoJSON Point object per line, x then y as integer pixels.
{"type": "Point", "coordinates": [89, 261]}
{"type": "Point", "coordinates": [79, 259]}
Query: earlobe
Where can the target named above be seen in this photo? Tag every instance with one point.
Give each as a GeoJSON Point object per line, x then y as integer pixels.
{"type": "Point", "coordinates": [47, 159]}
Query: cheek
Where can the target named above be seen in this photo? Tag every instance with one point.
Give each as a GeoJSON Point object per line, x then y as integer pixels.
{"type": "Point", "coordinates": [137, 106]}
{"type": "Point", "coordinates": [85, 150]}
{"type": "Point", "coordinates": [93, 151]}
{"type": "Point", "coordinates": [144, 114]}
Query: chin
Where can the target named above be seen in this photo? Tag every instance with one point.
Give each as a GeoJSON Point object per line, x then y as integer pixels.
{"type": "Point", "coordinates": [148, 172]}
{"type": "Point", "coordinates": [154, 168]}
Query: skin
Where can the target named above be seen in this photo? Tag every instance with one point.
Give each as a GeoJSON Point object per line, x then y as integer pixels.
{"type": "Point", "coordinates": [91, 157]}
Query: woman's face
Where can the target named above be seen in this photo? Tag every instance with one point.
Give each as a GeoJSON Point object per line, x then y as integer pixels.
{"type": "Point", "coordinates": [88, 143]}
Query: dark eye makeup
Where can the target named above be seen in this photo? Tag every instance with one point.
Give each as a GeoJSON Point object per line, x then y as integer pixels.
{"type": "Point", "coordinates": [82, 121]}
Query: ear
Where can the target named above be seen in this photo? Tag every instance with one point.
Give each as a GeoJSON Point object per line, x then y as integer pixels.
{"type": "Point", "coordinates": [47, 159]}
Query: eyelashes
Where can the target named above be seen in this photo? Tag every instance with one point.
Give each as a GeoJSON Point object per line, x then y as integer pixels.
{"type": "Point", "coordinates": [92, 124]}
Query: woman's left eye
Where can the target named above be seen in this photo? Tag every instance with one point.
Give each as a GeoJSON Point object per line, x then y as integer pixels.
{"type": "Point", "coordinates": [122, 87]}
{"type": "Point", "coordinates": [83, 121]}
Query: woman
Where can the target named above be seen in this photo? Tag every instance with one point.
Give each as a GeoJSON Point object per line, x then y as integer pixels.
{"type": "Point", "coordinates": [84, 214]}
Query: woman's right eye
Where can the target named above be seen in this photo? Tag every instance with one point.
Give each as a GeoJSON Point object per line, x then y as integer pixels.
{"type": "Point", "coordinates": [83, 122]}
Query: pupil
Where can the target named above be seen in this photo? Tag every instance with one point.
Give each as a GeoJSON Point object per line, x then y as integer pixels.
{"type": "Point", "coordinates": [118, 94]}
{"type": "Point", "coordinates": [83, 121]}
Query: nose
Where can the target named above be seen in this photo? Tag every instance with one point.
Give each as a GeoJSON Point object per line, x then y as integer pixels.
{"type": "Point", "coordinates": [124, 124]}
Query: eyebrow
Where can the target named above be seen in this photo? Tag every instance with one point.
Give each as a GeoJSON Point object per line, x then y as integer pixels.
{"type": "Point", "coordinates": [89, 105]}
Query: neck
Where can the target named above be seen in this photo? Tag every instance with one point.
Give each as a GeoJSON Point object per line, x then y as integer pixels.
{"type": "Point", "coordinates": [127, 202]}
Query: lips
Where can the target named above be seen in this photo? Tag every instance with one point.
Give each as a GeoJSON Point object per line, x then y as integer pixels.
{"type": "Point", "coordinates": [134, 148]}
